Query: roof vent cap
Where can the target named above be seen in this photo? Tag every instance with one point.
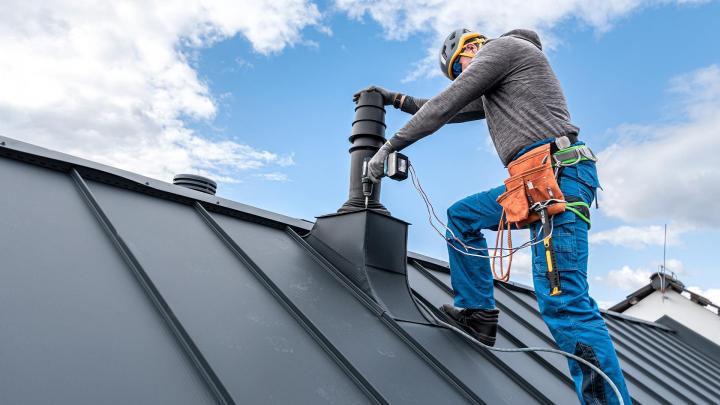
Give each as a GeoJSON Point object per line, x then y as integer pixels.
{"type": "Point", "coordinates": [195, 182]}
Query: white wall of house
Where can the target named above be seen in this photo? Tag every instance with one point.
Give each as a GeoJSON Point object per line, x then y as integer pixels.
{"type": "Point", "coordinates": [699, 319]}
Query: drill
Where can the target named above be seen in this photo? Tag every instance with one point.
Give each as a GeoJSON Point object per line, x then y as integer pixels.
{"type": "Point", "coordinates": [396, 168]}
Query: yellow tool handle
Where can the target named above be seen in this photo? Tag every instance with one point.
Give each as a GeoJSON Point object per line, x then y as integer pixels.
{"type": "Point", "coordinates": [553, 275]}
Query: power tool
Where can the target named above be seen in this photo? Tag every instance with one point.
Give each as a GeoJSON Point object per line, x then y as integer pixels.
{"type": "Point", "coordinates": [396, 168]}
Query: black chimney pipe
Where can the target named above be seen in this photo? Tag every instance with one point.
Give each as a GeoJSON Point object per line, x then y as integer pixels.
{"type": "Point", "coordinates": [367, 136]}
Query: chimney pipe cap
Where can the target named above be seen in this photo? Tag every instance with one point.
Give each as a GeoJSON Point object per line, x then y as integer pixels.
{"type": "Point", "coordinates": [195, 182]}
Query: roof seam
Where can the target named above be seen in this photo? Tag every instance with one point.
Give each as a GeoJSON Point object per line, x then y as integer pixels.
{"type": "Point", "coordinates": [337, 275]}
{"type": "Point", "coordinates": [653, 363]}
{"type": "Point", "coordinates": [625, 358]}
{"type": "Point", "coordinates": [510, 337]}
{"type": "Point", "coordinates": [437, 365]}
{"type": "Point", "coordinates": [630, 335]}
{"type": "Point", "coordinates": [391, 323]}
{"type": "Point", "coordinates": [186, 342]}
{"type": "Point", "coordinates": [700, 356]}
{"type": "Point", "coordinates": [287, 303]}
{"type": "Point", "coordinates": [496, 361]}
{"type": "Point", "coordinates": [511, 313]}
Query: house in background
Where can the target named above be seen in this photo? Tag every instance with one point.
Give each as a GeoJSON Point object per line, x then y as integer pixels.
{"type": "Point", "coordinates": [665, 300]}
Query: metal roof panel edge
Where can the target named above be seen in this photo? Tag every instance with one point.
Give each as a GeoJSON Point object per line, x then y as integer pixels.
{"type": "Point", "coordinates": [48, 158]}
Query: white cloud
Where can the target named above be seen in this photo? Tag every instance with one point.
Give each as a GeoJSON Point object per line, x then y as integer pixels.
{"type": "Point", "coordinates": [113, 82]}
{"type": "Point", "coordinates": [604, 304]}
{"type": "Point", "coordinates": [521, 265]}
{"type": "Point", "coordinates": [434, 19]}
{"type": "Point", "coordinates": [638, 237]}
{"type": "Point", "coordinates": [274, 176]}
{"type": "Point", "coordinates": [627, 278]}
{"type": "Point", "coordinates": [669, 172]}
{"type": "Point", "coordinates": [675, 266]}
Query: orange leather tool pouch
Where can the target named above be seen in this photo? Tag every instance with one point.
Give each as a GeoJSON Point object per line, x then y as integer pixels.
{"type": "Point", "coordinates": [532, 180]}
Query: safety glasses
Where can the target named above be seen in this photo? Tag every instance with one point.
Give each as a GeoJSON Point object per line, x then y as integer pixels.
{"type": "Point", "coordinates": [456, 66]}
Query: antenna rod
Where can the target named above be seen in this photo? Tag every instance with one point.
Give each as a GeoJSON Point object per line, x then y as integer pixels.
{"type": "Point", "coordinates": [664, 248]}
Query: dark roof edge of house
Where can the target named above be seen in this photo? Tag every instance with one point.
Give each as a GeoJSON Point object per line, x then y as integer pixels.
{"type": "Point", "coordinates": [691, 337]}
{"type": "Point", "coordinates": [631, 299]}
{"type": "Point", "coordinates": [657, 282]}
{"type": "Point", "coordinates": [39, 156]}
{"type": "Point", "coordinates": [629, 318]}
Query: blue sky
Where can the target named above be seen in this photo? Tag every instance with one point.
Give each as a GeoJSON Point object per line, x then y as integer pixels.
{"type": "Point", "coordinates": [263, 103]}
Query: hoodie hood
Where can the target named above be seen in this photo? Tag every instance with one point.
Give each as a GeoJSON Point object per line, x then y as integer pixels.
{"type": "Point", "coordinates": [528, 35]}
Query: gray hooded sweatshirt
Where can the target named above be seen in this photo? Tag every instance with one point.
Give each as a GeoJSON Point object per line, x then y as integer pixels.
{"type": "Point", "coordinates": [509, 83]}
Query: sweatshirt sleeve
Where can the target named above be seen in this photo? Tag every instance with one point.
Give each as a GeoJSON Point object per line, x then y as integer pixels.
{"type": "Point", "coordinates": [471, 112]}
{"type": "Point", "coordinates": [487, 68]}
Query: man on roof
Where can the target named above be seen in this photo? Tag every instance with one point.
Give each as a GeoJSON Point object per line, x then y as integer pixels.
{"type": "Point", "coordinates": [508, 82]}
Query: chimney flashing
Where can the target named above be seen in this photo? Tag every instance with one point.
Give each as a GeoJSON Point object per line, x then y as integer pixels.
{"type": "Point", "coordinates": [370, 248]}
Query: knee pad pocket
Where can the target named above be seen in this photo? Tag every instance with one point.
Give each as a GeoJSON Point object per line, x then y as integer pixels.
{"type": "Point", "coordinates": [593, 385]}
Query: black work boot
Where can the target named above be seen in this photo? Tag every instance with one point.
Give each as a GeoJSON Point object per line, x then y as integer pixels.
{"type": "Point", "coordinates": [479, 323]}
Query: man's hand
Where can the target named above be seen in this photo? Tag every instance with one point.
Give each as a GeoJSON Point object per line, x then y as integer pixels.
{"type": "Point", "coordinates": [376, 166]}
{"type": "Point", "coordinates": [388, 96]}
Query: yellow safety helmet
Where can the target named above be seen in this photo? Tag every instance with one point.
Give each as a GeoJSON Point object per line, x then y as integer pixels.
{"type": "Point", "coordinates": [453, 47]}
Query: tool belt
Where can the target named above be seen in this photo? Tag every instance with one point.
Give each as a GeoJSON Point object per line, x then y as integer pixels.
{"type": "Point", "coordinates": [533, 188]}
{"type": "Point", "coordinates": [532, 181]}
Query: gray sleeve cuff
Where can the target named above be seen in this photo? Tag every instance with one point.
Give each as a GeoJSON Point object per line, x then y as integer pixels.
{"type": "Point", "coordinates": [411, 105]}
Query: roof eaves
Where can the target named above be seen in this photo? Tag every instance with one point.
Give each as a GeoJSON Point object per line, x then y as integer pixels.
{"type": "Point", "coordinates": [632, 299]}
{"type": "Point", "coordinates": [17, 150]}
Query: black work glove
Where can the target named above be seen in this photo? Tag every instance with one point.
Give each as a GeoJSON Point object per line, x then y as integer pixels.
{"type": "Point", "coordinates": [376, 165]}
{"type": "Point", "coordinates": [388, 96]}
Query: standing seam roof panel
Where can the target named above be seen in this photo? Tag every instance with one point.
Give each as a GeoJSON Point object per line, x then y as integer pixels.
{"type": "Point", "coordinates": [688, 380]}
{"type": "Point", "coordinates": [672, 343]}
{"type": "Point", "coordinates": [655, 343]}
{"type": "Point", "coordinates": [76, 325]}
{"type": "Point", "coordinates": [508, 336]}
{"type": "Point", "coordinates": [513, 306]}
{"type": "Point", "coordinates": [383, 357]}
{"type": "Point", "coordinates": [524, 369]}
{"type": "Point", "coordinates": [256, 348]}
{"type": "Point", "coordinates": [670, 382]}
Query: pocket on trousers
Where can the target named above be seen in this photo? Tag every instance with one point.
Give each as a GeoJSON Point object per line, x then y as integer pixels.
{"type": "Point", "coordinates": [563, 239]}
{"type": "Point", "coordinates": [580, 181]}
{"type": "Point", "coordinates": [583, 172]}
{"type": "Point", "coordinates": [587, 173]}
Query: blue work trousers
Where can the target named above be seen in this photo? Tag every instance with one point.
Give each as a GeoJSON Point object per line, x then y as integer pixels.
{"type": "Point", "coordinates": [573, 317]}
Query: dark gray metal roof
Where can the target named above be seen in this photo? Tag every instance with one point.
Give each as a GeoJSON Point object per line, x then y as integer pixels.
{"type": "Point", "coordinates": [116, 288]}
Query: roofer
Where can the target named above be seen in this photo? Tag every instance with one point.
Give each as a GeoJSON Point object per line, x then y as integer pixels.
{"type": "Point", "coordinates": [509, 82]}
